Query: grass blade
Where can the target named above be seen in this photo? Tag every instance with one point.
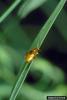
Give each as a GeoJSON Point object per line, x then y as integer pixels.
{"type": "Point", "coordinates": [44, 31]}
{"type": "Point", "coordinates": [11, 8]}
{"type": "Point", "coordinates": [20, 81]}
{"type": "Point", "coordinates": [29, 6]}
{"type": "Point", "coordinates": [61, 25]}
{"type": "Point", "coordinates": [40, 38]}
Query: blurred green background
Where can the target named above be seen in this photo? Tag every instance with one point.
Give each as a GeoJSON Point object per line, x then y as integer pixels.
{"type": "Point", "coordinates": [18, 29]}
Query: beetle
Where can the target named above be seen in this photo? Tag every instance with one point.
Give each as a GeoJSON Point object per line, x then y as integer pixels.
{"type": "Point", "coordinates": [31, 54]}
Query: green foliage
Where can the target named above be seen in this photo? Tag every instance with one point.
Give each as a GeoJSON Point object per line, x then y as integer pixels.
{"type": "Point", "coordinates": [43, 78]}
{"type": "Point", "coordinates": [41, 36]}
{"type": "Point", "coordinates": [28, 6]}
{"type": "Point", "coordinates": [61, 18]}
{"type": "Point", "coordinates": [11, 8]}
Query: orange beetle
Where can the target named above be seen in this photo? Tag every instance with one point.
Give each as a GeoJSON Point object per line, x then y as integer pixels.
{"type": "Point", "coordinates": [31, 54]}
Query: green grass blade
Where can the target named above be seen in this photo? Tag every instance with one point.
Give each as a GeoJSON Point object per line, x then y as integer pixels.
{"type": "Point", "coordinates": [20, 81]}
{"type": "Point", "coordinates": [28, 6]}
{"type": "Point", "coordinates": [39, 40]}
{"type": "Point", "coordinates": [61, 24]}
{"type": "Point", "coordinates": [44, 31]}
{"type": "Point", "coordinates": [11, 8]}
